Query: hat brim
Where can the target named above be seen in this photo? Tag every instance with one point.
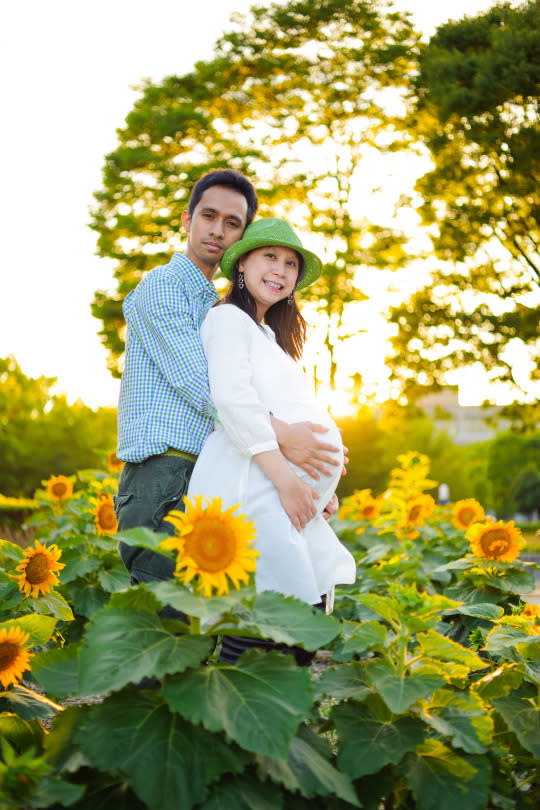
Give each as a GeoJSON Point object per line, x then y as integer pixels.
{"type": "Point", "coordinates": [246, 245]}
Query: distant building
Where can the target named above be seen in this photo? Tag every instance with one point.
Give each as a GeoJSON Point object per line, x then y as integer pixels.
{"type": "Point", "coordinates": [465, 424]}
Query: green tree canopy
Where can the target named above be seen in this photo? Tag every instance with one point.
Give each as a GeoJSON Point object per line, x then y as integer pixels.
{"type": "Point", "coordinates": [477, 112]}
{"type": "Point", "coordinates": [42, 435]}
{"type": "Point", "coordinates": [295, 97]}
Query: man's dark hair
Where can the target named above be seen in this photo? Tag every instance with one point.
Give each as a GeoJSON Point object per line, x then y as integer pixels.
{"type": "Point", "coordinates": [229, 179]}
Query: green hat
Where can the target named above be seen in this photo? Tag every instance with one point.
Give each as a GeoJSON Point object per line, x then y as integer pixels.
{"type": "Point", "coordinates": [271, 232]}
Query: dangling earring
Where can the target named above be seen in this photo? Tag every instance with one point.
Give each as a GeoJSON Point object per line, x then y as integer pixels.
{"type": "Point", "coordinates": [240, 281]}
{"type": "Point", "coordinates": [290, 299]}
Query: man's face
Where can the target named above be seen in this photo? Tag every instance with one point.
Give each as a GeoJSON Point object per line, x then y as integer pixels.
{"type": "Point", "coordinates": [218, 220]}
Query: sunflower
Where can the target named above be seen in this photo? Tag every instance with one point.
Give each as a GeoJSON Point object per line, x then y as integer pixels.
{"type": "Point", "coordinates": [467, 512]}
{"type": "Point", "coordinates": [115, 463]}
{"type": "Point", "coordinates": [496, 541]}
{"type": "Point", "coordinates": [418, 509]}
{"type": "Point", "coordinates": [361, 505]}
{"type": "Point", "coordinates": [14, 657]}
{"type": "Point", "coordinates": [212, 545]}
{"type": "Point", "coordinates": [59, 487]}
{"type": "Point", "coordinates": [104, 516]}
{"type": "Point", "coordinates": [38, 571]}
{"type": "Point", "coordinates": [532, 613]}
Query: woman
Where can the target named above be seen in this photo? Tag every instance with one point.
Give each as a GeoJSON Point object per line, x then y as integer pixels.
{"type": "Point", "coordinates": [252, 341]}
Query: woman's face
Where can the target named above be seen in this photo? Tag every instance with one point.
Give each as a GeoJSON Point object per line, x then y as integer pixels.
{"type": "Point", "coordinates": [270, 274]}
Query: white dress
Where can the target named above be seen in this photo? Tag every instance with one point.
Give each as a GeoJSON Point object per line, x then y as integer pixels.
{"type": "Point", "coordinates": [251, 377]}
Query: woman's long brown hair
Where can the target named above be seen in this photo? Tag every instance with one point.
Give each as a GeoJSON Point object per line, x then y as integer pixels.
{"type": "Point", "coordinates": [283, 318]}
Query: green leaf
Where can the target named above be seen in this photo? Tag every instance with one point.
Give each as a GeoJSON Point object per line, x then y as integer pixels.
{"type": "Point", "coordinates": [53, 603]}
{"type": "Point", "coordinates": [384, 606]}
{"type": "Point", "coordinates": [20, 733]}
{"type": "Point", "coordinates": [57, 671]}
{"type": "Point", "coordinates": [442, 780]}
{"type": "Point", "coordinates": [40, 628]}
{"type": "Point", "coordinates": [504, 637]}
{"type": "Point", "coordinates": [87, 598]}
{"type": "Point", "coordinates": [522, 716]}
{"type": "Point", "coordinates": [259, 702]}
{"type": "Point", "coordinates": [466, 591]}
{"type": "Point", "coordinates": [514, 580]}
{"type": "Point", "coordinates": [461, 716]}
{"type": "Point", "coordinates": [77, 565]}
{"type": "Point", "coordinates": [121, 647]}
{"type": "Point", "coordinates": [366, 744]}
{"type": "Point", "coordinates": [245, 792]}
{"type": "Point", "coordinates": [367, 636]}
{"type": "Point", "coordinates": [181, 598]}
{"type": "Point", "coordinates": [307, 770]}
{"type": "Point", "coordinates": [137, 598]}
{"type": "Point", "coordinates": [28, 704]}
{"type": "Point", "coordinates": [399, 692]}
{"type": "Point", "coordinates": [141, 536]}
{"type": "Point", "coordinates": [107, 797]}
{"type": "Point", "coordinates": [481, 610]}
{"type": "Point", "coordinates": [114, 578]}
{"type": "Point", "coordinates": [500, 682]}
{"type": "Point", "coordinates": [344, 682]}
{"type": "Point", "coordinates": [12, 551]}
{"type": "Point", "coordinates": [53, 790]}
{"type": "Point", "coordinates": [285, 620]}
{"type": "Point", "coordinates": [166, 761]}
{"type": "Point", "coordinates": [440, 647]}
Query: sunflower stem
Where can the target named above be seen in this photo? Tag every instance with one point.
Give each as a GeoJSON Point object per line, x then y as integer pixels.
{"type": "Point", "coordinates": [195, 625]}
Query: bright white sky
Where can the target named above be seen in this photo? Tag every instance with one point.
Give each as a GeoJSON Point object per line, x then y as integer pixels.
{"type": "Point", "coordinates": [68, 68]}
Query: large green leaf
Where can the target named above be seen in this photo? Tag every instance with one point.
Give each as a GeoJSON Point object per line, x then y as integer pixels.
{"type": "Point", "coordinates": [11, 550]}
{"type": "Point", "coordinates": [167, 761]}
{"type": "Point", "coordinates": [461, 716]}
{"type": "Point", "coordinates": [284, 619]}
{"type": "Point", "coordinates": [522, 715]}
{"type": "Point", "coordinates": [86, 598]}
{"type": "Point", "coordinates": [384, 606]}
{"type": "Point", "coordinates": [514, 580]}
{"type": "Point", "coordinates": [366, 744]}
{"type": "Point", "coordinates": [52, 603]}
{"type": "Point", "coordinates": [114, 577]}
{"type": "Point", "coordinates": [344, 682]}
{"type": "Point", "coordinates": [372, 636]}
{"type": "Point", "coordinates": [243, 792]}
{"type": "Point", "coordinates": [122, 647]}
{"type": "Point", "coordinates": [183, 599]}
{"type": "Point", "coordinates": [399, 692]}
{"type": "Point", "coordinates": [52, 790]}
{"type": "Point", "coordinates": [481, 610]}
{"type": "Point", "coordinates": [500, 682]}
{"type": "Point", "coordinates": [503, 637]}
{"type": "Point", "coordinates": [115, 796]}
{"type": "Point", "coordinates": [308, 770]}
{"type": "Point", "coordinates": [442, 780]}
{"type": "Point", "coordinates": [40, 628]}
{"type": "Point", "coordinates": [20, 733]}
{"type": "Point", "coordinates": [57, 671]}
{"type": "Point", "coordinates": [28, 704]}
{"type": "Point", "coordinates": [465, 590]}
{"type": "Point", "coordinates": [259, 702]}
{"type": "Point", "coordinates": [77, 565]}
{"type": "Point", "coordinates": [141, 536]}
{"type": "Point", "coordinates": [442, 648]}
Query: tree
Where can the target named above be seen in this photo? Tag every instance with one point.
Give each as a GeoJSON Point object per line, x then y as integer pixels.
{"type": "Point", "coordinates": [42, 435]}
{"type": "Point", "coordinates": [477, 112]}
{"type": "Point", "coordinates": [295, 97]}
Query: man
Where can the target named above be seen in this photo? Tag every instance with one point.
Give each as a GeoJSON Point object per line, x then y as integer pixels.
{"type": "Point", "coordinates": [165, 412]}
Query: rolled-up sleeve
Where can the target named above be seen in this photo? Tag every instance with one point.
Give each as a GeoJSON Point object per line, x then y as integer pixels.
{"type": "Point", "coordinates": [162, 318]}
{"type": "Point", "coordinates": [227, 337]}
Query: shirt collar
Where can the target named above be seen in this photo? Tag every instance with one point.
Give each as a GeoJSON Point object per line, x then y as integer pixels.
{"type": "Point", "coordinates": [191, 275]}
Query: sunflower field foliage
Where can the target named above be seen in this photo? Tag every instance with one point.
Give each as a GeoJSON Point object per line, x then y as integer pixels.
{"type": "Point", "coordinates": [429, 697]}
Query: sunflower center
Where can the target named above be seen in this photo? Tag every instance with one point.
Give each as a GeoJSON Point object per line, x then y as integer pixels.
{"type": "Point", "coordinates": [466, 515]}
{"type": "Point", "coordinates": [368, 511]}
{"type": "Point", "coordinates": [495, 542]}
{"type": "Point", "coordinates": [414, 513]}
{"type": "Point", "coordinates": [37, 569]}
{"type": "Point", "coordinates": [9, 653]}
{"type": "Point", "coordinates": [211, 544]}
{"type": "Point", "coordinates": [59, 489]}
{"type": "Point", "coordinates": [106, 516]}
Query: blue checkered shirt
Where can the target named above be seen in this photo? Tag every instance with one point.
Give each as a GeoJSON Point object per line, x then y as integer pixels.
{"type": "Point", "coordinates": [165, 394]}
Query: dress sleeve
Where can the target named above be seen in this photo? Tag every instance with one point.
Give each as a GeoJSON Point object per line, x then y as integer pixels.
{"type": "Point", "coordinates": [227, 336]}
